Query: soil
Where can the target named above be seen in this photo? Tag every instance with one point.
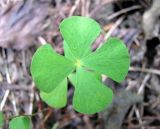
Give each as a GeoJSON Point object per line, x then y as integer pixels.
{"type": "Point", "coordinates": [25, 25]}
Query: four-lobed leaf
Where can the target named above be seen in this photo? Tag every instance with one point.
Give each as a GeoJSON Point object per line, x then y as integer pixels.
{"type": "Point", "coordinates": [79, 33]}
{"type": "Point", "coordinates": [90, 94]}
{"type": "Point", "coordinates": [111, 59]}
{"type": "Point", "coordinates": [49, 69]}
{"type": "Point", "coordinates": [21, 122]}
{"type": "Point", "coordinates": [82, 67]}
{"type": "Point", "coordinates": [58, 97]}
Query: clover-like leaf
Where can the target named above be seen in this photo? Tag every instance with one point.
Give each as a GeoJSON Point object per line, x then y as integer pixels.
{"type": "Point", "coordinates": [21, 122]}
{"type": "Point", "coordinates": [49, 69]}
{"type": "Point", "coordinates": [90, 94]}
{"type": "Point", "coordinates": [67, 52]}
{"type": "Point", "coordinates": [112, 59]}
{"type": "Point", "coordinates": [82, 66]}
{"type": "Point", "coordinates": [79, 33]}
{"type": "Point", "coordinates": [58, 97]}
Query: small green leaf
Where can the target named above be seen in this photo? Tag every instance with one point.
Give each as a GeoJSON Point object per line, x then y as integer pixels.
{"type": "Point", "coordinates": [98, 76]}
{"type": "Point", "coordinates": [90, 94]}
{"type": "Point", "coordinates": [79, 33]}
{"type": "Point", "coordinates": [21, 122]}
{"type": "Point", "coordinates": [1, 119]}
{"type": "Point", "coordinates": [49, 69]}
{"type": "Point", "coordinates": [58, 97]}
{"type": "Point", "coordinates": [72, 77]}
{"type": "Point", "coordinates": [67, 52]}
{"type": "Point", "coordinates": [55, 126]}
{"type": "Point", "coordinates": [112, 59]}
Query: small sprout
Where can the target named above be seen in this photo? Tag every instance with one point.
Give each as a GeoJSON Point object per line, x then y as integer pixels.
{"type": "Point", "coordinates": [1, 120]}
{"type": "Point", "coordinates": [81, 66]}
{"type": "Point", "coordinates": [21, 122]}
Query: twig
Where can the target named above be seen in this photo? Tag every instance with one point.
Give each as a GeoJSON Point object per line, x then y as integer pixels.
{"type": "Point", "coordinates": [99, 6]}
{"type": "Point", "coordinates": [12, 95]}
{"type": "Point", "coordinates": [4, 99]}
{"type": "Point", "coordinates": [31, 99]}
{"type": "Point", "coordinates": [139, 117]}
{"type": "Point", "coordinates": [145, 70]}
{"type": "Point", "coordinates": [42, 40]}
{"type": "Point", "coordinates": [74, 7]}
{"type": "Point", "coordinates": [118, 22]}
{"type": "Point", "coordinates": [7, 91]}
{"type": "Point", "coordinates": [7, 86]}
{"type": "Point", "coordinates": [85, 7]}
{"type": "Point", "coordinates": [141, 89]}
{"type": "Point", "coordinates": [123, 11]}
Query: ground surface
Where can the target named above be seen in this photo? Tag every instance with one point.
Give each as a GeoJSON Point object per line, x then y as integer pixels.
{"type": "Point", "coordinates": [24, 26]}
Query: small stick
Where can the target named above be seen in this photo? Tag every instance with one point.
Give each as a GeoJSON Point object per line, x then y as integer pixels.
{"type": "Point", "coordinates": [123, 11]}
{"type": "Point", "coordinates": [12, 95]}
{"type": "Point", "coordinates": [31, 99]}
{"type": "Point", "coordinates": [145, 70]}
{"type": "Point", "coordinates": [7, 86]}
{"type": "Point", "coordinates": [74, 7]}
{"type": "Point", "coordinates": [141, 89]}
{"type": "Point", "coordinates": [99, 6]}
{"type": "Point", "coordinates": [118, 22]}
{"type": "Point", "coordinates": [139, 118]}
{"type": "Point", "coordinates": [4, 99]}
{"type": "Point", "coordinates": [7, 91]}
{"type": "Point", "coordinates": [42, 40]}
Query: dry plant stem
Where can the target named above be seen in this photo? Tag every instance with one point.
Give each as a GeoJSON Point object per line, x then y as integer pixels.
{"type": "Point", "coordinates": [7, 86]}
{"type": "Point", "coordinates": [49, 113]}
{"type": "Point", "coordinates": [30, 110]}
{"type": "Point", "coordinates": [123, 11]}
{"type": "Point", "coordinates": [99, 6]}
{"type": "Point", "coordinates": [42, 40]}
{"type": "Point", "coordinates": [134, 108]}
{"type": "Point", "coordinates": [24, 62]}
{"type": "Point", "coordinates": [117, 23]}
{"type": "Point", "coordinates": [145, 70]}
{"type": "Point", "coordinates": [12, 95]}
{"type": "Point", "coordinates": [141, 89]}
{"type": "Point", "coordinates": [139, 117]}
{"type": "Point", "coordinates": [85, 7]}
{"type": "Point", "coordinates": [4, 99]}
{"type": "Point", "coordinates": [40, 114]}
{"type": "Point", "coordinates": [87, 122]}
{"type": "Point", "coordinates": [8, 91]}
{"type": "Point", "coordinates": [4, 3]}
{"type": "Point", "coordinates": [74, 7]}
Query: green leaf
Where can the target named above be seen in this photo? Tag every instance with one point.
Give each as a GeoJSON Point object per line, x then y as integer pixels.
{"type": "Point", "coordinates": [112, 59]}
{"type": "Point", "coordinates": [21, 122]}
{"type": "Point", "coordinates": [1, 119]}
{"type": "Point", "coordinates": [90, 94]}
{"type": "Point", "coordinates": [67, 52]}
{"type": "Point", "coordinates": [55, 126]}
{"type": "Point", "coordinates": [49, 69]}
{"type": "Point", "coordinates": [73, 80]}
{"type": "Point", "coordinates": [58, 97]}
{"type": "Point", "coordinates": [79, 33]}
